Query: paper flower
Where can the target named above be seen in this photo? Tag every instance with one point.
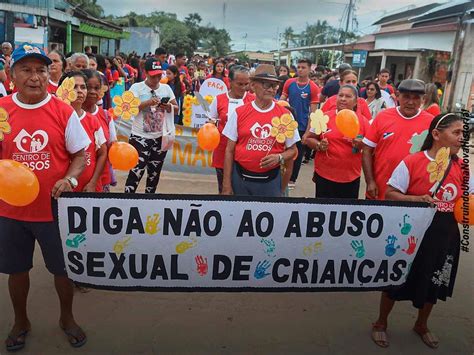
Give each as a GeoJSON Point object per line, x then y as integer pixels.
{"type": "Point", "coordinates": [66, 92]}
{"type": "Point", "coordinates": [103, 90]}
{"type": "Point", "coordinates": [319, 121]}
{"type": "Point", "coordinates": [188, 100]}
{"type": "Point", "coordinates": [209, 99]}
{"type": "Point", "coordinates": [283, 127]}
{"type": "Point", "coordinates": [126, 105]}
{"type": "Point", "coordinates": [187, 121]}
{"type": "Point", "coordinates": [196, 101]}
{"type": "Point", "coordinates": [5, 127]}
{"type": "Point", "coordinates": [437, 167]}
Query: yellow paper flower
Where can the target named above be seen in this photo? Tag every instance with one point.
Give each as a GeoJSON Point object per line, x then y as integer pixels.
{"type": "Point", "coordinates": [126, 105]}
{"type": "Point", "coordinates": [188, 100]}
{"type": "Point", "coordinates": [195, 101]}
{"type": "Point", "coordinates": [103, 90]}
{"type": "Point", "coordinates": [187, 121]}
{"type": "Point", "coordinates": [437, 167]}
{"type": "Point", "coordinates": [319, 121]}
{"type": "Point", "coordinates": [66, 91]}
{"type": "Point", "coordinates": [283, 127]}
{"type": "Point", "coordinates": [5, 127]}
{"type": "Point", "coordinates": [208, 98]}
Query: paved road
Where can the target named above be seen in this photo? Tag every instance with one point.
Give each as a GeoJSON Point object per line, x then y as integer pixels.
{"type": "Point", "coordinates": [246, 323]}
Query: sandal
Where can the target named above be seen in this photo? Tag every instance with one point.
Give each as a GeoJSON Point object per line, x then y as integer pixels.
{"type": "Point", "coordinates": [18, 341]}
{"type": "Point", "coordinates": [427, 337]}
{"type": "Point", "coordinates": [379, 335]}
{"type": "Point", "coordinates": [74, 334]}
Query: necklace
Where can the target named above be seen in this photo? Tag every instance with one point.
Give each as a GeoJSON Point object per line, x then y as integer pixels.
{"type": "Point", "coordinates": [304, 86]}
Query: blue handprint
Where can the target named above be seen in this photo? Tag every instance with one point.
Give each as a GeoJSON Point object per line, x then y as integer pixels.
{"type": "Point", "coordinates": [390, 248]}
{"type": "Point", "coordinates": [269, 246]}
{"type": "Point", "coordinates": [358, 247]}
{"type": "Point", "coordinates": [76, 241]}
{"type": "Point", "coordinates": [260, 270]}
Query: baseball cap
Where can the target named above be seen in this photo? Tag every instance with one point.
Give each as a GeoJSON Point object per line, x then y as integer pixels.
{"type": "Point", "coordinates": [412, 85]}
{"type": "Point", "coordinates": [153, 67]}
{"type": "Point", "coordinates": [28, 50]}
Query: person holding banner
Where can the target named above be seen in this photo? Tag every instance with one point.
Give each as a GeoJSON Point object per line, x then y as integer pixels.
{"type": "Point", "coordinates": [394, 134]}
{"type": "Point", "coordinates": [47, 136]}
{"type": "Point", "coordinates": [262, 137]}
{"type": "Point", "coordinates": [218, 72]}
{"type": "Point", "coordinates": [338, 161]}
{"type": "Point", "coordinates": [157, 104]}
{"type": "Point", "coordinates": [222, 107]}
{"type": "Point", "coordinates": [432, 175]}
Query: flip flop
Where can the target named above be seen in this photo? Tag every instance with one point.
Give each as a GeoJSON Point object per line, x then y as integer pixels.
{"type": "Point", "coordinates": [379, 335]}
{"type": "Point", "coordinates": [17, 345]}
{"type": "Point", "coordinates": [74, 335]}
{"type": "Point", "coordinates": [428, 338]}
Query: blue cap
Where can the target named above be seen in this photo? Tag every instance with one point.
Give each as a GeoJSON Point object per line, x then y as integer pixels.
{"type": "Point", "coordinates": [27, 50]}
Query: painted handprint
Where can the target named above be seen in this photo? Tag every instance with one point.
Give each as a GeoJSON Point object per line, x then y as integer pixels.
{"type": "Point", "coordinates": [76, 240]}
{"type": "Point", "coordinates": [269, 246]}
{"type": "Point", "coordinates": [121, 244]}
{"type": "Point", "coordinates": [202, 266]}
{"type": "Point", "coordinates": [182, 247]}
{"type": "Point", "coordinates": [152, 224]}
{"type": "Point", "coordinates": [411, 245]}
{"type": "Point", "coordinates": [358, 247]}
{"type": "Point", "coordinates": [261, 269]}
{"type": "Point", "coordinates": [406, 227]}
{"type": "Point", "coordinates": [312, 248]}
{"type": "Point", "coordinates": [390, 248]}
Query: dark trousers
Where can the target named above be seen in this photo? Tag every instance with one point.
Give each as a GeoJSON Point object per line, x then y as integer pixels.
{"type": "Point", "coordinates": [220, 178]}
{"type": "Point", "coordinates": [330, 189]}
{"type": "Point", "coordinates": [151, 158]}
{"type": "Point", "coordinates": [297, 164]}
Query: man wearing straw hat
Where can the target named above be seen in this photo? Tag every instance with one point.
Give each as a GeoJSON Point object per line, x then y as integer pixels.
{"type": "Point", "coordinates": [261, 138]}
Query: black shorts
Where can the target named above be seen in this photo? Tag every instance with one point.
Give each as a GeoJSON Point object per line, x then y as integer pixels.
{"type": "Point", "coordinates": [17, 245]}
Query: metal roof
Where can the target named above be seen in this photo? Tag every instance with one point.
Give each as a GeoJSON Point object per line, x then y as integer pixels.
{"type": "Point", "coordinates": [405, 14]}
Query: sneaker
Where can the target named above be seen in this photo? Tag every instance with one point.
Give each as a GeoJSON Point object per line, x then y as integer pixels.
{"type": "Point", "coordinates": [291, 185]}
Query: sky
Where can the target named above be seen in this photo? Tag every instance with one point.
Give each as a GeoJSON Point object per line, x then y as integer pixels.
{"type": "Point", "coordinates": [255, 24]}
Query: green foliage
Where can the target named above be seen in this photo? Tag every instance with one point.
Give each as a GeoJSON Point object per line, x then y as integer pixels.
{"type": "Point", "coordinates": [180, 36]}
{"type": "Point", "coordinates": [90, 6]}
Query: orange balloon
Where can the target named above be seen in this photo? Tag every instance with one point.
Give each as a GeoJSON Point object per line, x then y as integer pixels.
{"type": "Point", "coordinates": [283, 103]}
{"type": "Point", "coordinates": [123, 156]}
{"type": "Point", "coordinates": [19, 185]}
{"type": "Point", "coordinates": [208, 137]}
{"type": "Point", "coordinates": [164, 80]}
{"type": "Point", "coordinates": [347, 123]}
{"type": "Point", "coordinates": [464, 210]}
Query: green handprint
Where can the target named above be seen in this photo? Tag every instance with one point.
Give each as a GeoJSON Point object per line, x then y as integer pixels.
{"type": "Point", "coordinates": [417, 141]}
{"type": "Point", "coordinates": [406, 228]}
{"type": "Point", "coordinates": [74, 242]}
{"type": "Point", "coordinates": [358, 247]}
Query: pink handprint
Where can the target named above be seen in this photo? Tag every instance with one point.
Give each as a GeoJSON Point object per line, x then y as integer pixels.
{"type": "Point", "coordinates": [411, 245]}
{"type": "Point", "coordinates": [202, 266]}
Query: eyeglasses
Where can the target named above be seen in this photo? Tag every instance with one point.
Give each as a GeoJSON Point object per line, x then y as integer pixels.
{"type": "Point", "coordinates": [268, 84]}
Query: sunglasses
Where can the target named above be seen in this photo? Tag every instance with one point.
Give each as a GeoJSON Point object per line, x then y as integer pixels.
{"type": "Point", "coordinates": [268, 84]}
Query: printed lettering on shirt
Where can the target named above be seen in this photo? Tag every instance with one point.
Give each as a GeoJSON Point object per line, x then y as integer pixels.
{"type": "Point", "coordinates": [31, 149]}
{"type": "Point", "coordinates": [261, 140]}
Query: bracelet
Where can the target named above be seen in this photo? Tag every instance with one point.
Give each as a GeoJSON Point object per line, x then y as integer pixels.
{"type": "Point", "coordinates": [281, 159]}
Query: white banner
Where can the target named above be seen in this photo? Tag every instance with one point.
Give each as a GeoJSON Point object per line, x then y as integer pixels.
{"type": "Point", "coordinates": [212, 87]}
{"type": "Point", "coordinates": [156, 242]}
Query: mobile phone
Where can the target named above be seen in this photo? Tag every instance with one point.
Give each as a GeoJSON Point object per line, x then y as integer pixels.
{"type": "Point", "coordinates": [164, 100]}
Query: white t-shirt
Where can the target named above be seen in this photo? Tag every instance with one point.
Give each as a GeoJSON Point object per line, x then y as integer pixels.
{"type": "Point", "coordinates": [149, 122]}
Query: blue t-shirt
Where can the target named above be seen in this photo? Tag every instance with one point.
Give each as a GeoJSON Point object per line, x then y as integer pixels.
{"type": "Point", "coordinates": [300, 97]}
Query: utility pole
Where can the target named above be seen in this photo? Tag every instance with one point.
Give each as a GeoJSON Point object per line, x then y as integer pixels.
{"type": "Point", "coordinates": [349, 13]}
{"type": "Point", "coordinates": [224, 8]}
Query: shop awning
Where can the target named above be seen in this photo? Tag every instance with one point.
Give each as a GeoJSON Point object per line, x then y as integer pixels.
{"type": "Point", "coordinates": [102, 32]}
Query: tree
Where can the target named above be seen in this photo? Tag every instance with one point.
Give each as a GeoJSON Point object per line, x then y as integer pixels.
{"type": "Point", "coordinates": [217, 42]}
{"type": "Point", "coordinates": [89, 6]}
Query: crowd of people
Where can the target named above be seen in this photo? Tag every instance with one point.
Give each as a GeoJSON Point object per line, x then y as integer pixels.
{"type": "Point", "coordinates": [264, 122]}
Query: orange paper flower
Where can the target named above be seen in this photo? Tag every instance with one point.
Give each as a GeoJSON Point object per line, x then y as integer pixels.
{"type": "Point", "coordinates": [437, 167]}
{"type": "Point", "coordinates": [5, 127]}
{"type": "Point", "coordinates": [66, 91]}
{"type": "Point", "coordinates": [319, 121]}
{"type": "Point", "coordinates": [126, 105]}
{"type": "Point", "coordinates": [187, 121]}
{"type": "Point", "coordinates": [283, 127]}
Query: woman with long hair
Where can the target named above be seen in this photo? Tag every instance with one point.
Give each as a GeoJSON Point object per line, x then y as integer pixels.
{"type": "Point", "coordinates": [175, 83]}
{"type": "Point", "coordinates": [374, 99]}
{"type": "Point", "coordinates": [431, 100]}
{"type": "Point", "coordinates": [218, 72]}
{"type": "Point", "coordinates": [432, 274]}
{"type": "Point", "coordinates": [338, 160]}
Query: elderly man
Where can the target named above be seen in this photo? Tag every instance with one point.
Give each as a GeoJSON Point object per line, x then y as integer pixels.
{"type": "Point", "coordinates": [253, 155]}
{"type": "Point", "coordinates": [79, 61]}
{"type": "Point", "coordinates": [395, 133]}
{"type": "Point", "coordinates": [47, 136]}
{"type": "Point", "coordinates": [223, 106]}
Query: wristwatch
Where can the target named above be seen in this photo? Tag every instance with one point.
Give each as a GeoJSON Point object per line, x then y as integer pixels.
{"type": "Point", "coordinates": [281, 159]}
{"type": "Point", "coordinates": [72, 181]}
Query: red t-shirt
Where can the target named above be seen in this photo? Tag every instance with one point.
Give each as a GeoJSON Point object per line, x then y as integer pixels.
{"type": "Point", "coordinates": [253, 139]}
{"type": "Point", "coordinates": [52, 87]}
{"type": "Point", "coordinates": [224, 105]}
{"type": "Point", "coordinates": [411, 177]}
{"type": "Point", "coordinates": [362, 107]}
{"type": "Point", "coordinates": [43, 136]}
{"type": "Point", "coordinates": [104, 121]}
{"type": "Point", "coordinates": [394, 136]}
{"type": "Point", "coordinates": [92, 127]}
{"type": "Point", "coordinates": [338, 163]}
{"type": "Point", "coordinates": [433, 110]}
